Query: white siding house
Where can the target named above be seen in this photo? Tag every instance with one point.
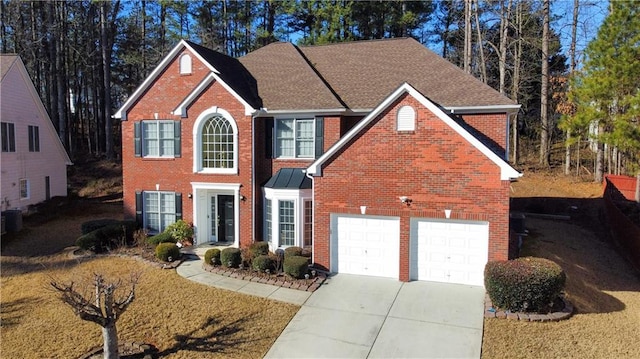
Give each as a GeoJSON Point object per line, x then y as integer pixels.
{"type": "Point", "coordinates": [33, 161]}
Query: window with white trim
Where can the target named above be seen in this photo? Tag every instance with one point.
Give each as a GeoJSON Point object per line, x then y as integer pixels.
{"type": "Point", "coordinates": [406, 119]}
{"type": "Point", "coordinates": [34, 139]}
{"type": "Point", "coordinates": [268, 220]}
{"type": "Point", "coordinates": [217, 143]}
{"type": "Point", "coordinates": [286, 219]}
{"type": "Point", "coordinates": [295, 138]}
{"type": "Point", "coordinates": [157, 138]}
{"type": "Point", "coordinates": [159, 210]}
{"type": "Point", "coordinates": [8, 137]}
{"type": "Point", "coordinates": [185, 64]}
{"type": "Point", "coordinates": [24, 188]}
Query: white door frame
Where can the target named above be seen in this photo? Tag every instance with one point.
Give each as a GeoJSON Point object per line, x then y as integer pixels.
{"type": "Point", "coordinates": [202, 193]}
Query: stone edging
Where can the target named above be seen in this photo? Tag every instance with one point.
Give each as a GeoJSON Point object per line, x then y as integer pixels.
{"type": "Point", "coordinates": [308, 285]}
{"type": "Point", "coordinates": [491, 312]}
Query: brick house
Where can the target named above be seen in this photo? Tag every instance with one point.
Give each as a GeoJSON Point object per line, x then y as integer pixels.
{"type": "Point", "coordinates": [387, 165]}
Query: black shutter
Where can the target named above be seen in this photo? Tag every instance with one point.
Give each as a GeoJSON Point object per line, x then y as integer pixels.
{"type": "Point", "coordinates": [137, 138]}
{"type": "Point", "coordinates": [178, 206]}
{"type": "Point", "coordinates": [37, 138]}
{"type": "Point", "coordinates": [139, 206]}
{"type": "Point", "coordinates": [319, 136]}
{"type": "Point", "coordinates": [268, 138]}
{"type": "Point", "coordinates": [31, 145]}
{"type": "Point", "coordinates": [177, 146]}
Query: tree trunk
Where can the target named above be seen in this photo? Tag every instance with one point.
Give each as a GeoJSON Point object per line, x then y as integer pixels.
{"type": "Point", "coordinates": [60, 77]}
{"type": "Point", "coordinates": [482, 64]}
{"type": "Point", "coordinates": [467, 36]}
{"type": "Point", "coordinates": [505, 14]}
{"type": "Point", "coordinates": [110, 338]}
{"type": "Point", "coordinates": [106, 67]}
{"type": "Point", "coordinates": [544, 88]}
{"type": "Point", "coordinates": [599, 165]}
{"type": "Point", "coordinates": [572, 68]}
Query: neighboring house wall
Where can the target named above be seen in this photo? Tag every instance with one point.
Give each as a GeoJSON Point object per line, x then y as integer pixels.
{"type": "Point", "coordinates": [21, 106]}
{"type": "Point", "coordinates": [177, 174]}
{"type": "Point", "coordinates": [433, 165]}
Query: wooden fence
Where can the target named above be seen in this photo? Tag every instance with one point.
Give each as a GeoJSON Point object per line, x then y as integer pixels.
{"type": "Point", "coordinates": [617, 191]}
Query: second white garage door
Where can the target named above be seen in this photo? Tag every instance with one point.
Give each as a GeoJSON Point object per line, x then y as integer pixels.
{"type": "Point", "coordinates": [365, 245]}
{"type": "Point", "coordinates": [449, 251]}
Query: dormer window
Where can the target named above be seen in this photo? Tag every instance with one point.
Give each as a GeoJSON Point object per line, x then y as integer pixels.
{"type": "Point", "coordinates": [185, 64]}
{"type": "Point", "coordinates": [406, 119]}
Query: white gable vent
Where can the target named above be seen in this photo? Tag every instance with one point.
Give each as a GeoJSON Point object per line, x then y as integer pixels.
{"type": "Point", "coordinates": [185, 64]}
{"type": "Point", "coordinates": [406, 120]}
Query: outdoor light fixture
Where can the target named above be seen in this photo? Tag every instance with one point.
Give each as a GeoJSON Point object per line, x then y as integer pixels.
{"type": "Point", "coordinates": [406, 200]}
{"type": "Point", "coordinates": [190, 195]}
{"type": "Point", "coordinates": [242, 198]}
{"type": "Point", "coordinates": [447, 213]}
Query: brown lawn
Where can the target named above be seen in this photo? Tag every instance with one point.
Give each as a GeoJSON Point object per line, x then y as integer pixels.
{"type": "Point", "coordinates": [604, 288]}
{"type": "Point", "coordinates": [182, 319]}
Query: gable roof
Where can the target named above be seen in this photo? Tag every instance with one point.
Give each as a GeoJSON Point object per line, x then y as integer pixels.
{"type": "Point", "coordinates": [286, 81]}
{"type": "Point", "coordinates": [506, 171]}
{"type": "Point", "coordinates": [11, 62]}
{"type": "Point", "coordinates": [359, 75]}
{"type": "Point", "coordinates": [6, 61]}
{"type": "Point", "coordinates": [229, 72]}
{"type": "Point", "coordinates": [365, 72]}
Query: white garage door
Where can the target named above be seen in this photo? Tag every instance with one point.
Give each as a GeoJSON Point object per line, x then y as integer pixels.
{"type": "Point", "coordinates": [449, 251]}
{"type": "Point", "coordinates": [365, 245]}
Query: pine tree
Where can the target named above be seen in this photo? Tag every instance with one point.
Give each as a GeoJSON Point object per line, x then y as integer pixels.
{"type": "Point", "coordinates": [607, 92]}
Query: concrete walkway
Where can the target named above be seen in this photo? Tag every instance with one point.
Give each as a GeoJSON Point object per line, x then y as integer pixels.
{"type": "Point", "coordinates": [192, 270]}
{"type": "Point", "coordinates": [368, 317]}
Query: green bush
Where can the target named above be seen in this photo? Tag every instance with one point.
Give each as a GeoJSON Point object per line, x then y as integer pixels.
{"type": "Point", "coordinates": [524, 284]}
{"type": "Point", "coordinates": [212, 256]}
{"type": "Point", "coordinates": [306, 252]}
{"type": "Point", "coordinates": [180, 230]}
{"type": "Point", "coordinates": [167, 252]}
{"type": "Point", "coordinates": [90, 226]}
{"type": "Point", "coordinates": [292, 251]}
{"type": "Point", "coordinates": [230, 257]}
{"type": "Point", "coordinates": [108, 237]}
{"type": "Point", "coordinates": [259, 249]}
{"type": "Point", "coordinates": [164, 237]}
{"type": "Point", "coordinates": [296, 266]}
{"type": "Point", "coordinates": [263, 262]}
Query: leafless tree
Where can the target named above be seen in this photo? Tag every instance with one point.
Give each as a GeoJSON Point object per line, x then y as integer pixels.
{"type": "Point", "coordinates": [102, 305]}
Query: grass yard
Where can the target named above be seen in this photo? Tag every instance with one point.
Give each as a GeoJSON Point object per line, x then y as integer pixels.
{"type": "Point", "coordinates": [182, 319]}
{"type": "Point", "coordinates": [604, 288]}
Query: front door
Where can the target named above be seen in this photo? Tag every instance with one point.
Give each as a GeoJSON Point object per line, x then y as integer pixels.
{"type": "Point", "coordinates": [226, 224]}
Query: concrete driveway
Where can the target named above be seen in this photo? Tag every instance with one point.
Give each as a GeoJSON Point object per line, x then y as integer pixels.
{"type": "Point", "coordinates": [369, 317]}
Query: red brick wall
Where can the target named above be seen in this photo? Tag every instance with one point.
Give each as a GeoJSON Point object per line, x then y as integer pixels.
{"type": "Point", "coordinates": [493, 126]}
{"type": "Point", "coordinates": [433, 165]}
{"type": "Point", "coordinates": [176, 174]}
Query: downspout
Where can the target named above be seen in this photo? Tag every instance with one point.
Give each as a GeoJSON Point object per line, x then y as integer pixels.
{"type": "Point", "coordinates": [506, 151]}
{"type": "Point", "coordinates": [313, 215]}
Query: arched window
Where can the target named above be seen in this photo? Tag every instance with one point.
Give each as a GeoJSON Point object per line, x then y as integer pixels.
{"type": "Point", "coordinates": [406, 119]}
{"type": "Point", "coordinates": [185, 64]}
{"type": "Point", "coordinates": [217, 143]}
{"type": "Point", "coordinates": [215, 135]}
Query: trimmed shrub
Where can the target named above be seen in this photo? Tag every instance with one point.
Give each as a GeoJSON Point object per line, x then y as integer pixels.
{"type": "Point", "coordinates": [167, 252]}
{"type": "Point", "coordinates": [524, 284]}
{"type": "Point", "coordinates": [259, 249]}
{"type": "Point", "coordinates": [212, 256]}
{"type": "Point", "coordinates": [164, 237]}
{"type": "Point", "coordinates": [180, 230]}
{"type": "Point", "coordinates": [306, 252]}
{"type": "Point", "coordinates": [108, 237]}
{"type": "Point", "coordinates": [230, 257]}
{"type": "Point", "coordinates": [90, 226]}
{"type": "Point", "coordinates": [296, 266]}
{"type": "Point", "coordinates": [263, 262]}
{"type": "Point", "coordinates": [246, 257]}
{"type": "Point", "coordinates": [292, 251]}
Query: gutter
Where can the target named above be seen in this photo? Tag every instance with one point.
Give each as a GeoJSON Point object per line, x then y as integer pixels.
{"type": "Point", "coordinates": [313, 215]}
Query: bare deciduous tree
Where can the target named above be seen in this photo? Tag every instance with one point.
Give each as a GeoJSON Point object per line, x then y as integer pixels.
{"type": "Point", "coordinates": [102, 305]}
